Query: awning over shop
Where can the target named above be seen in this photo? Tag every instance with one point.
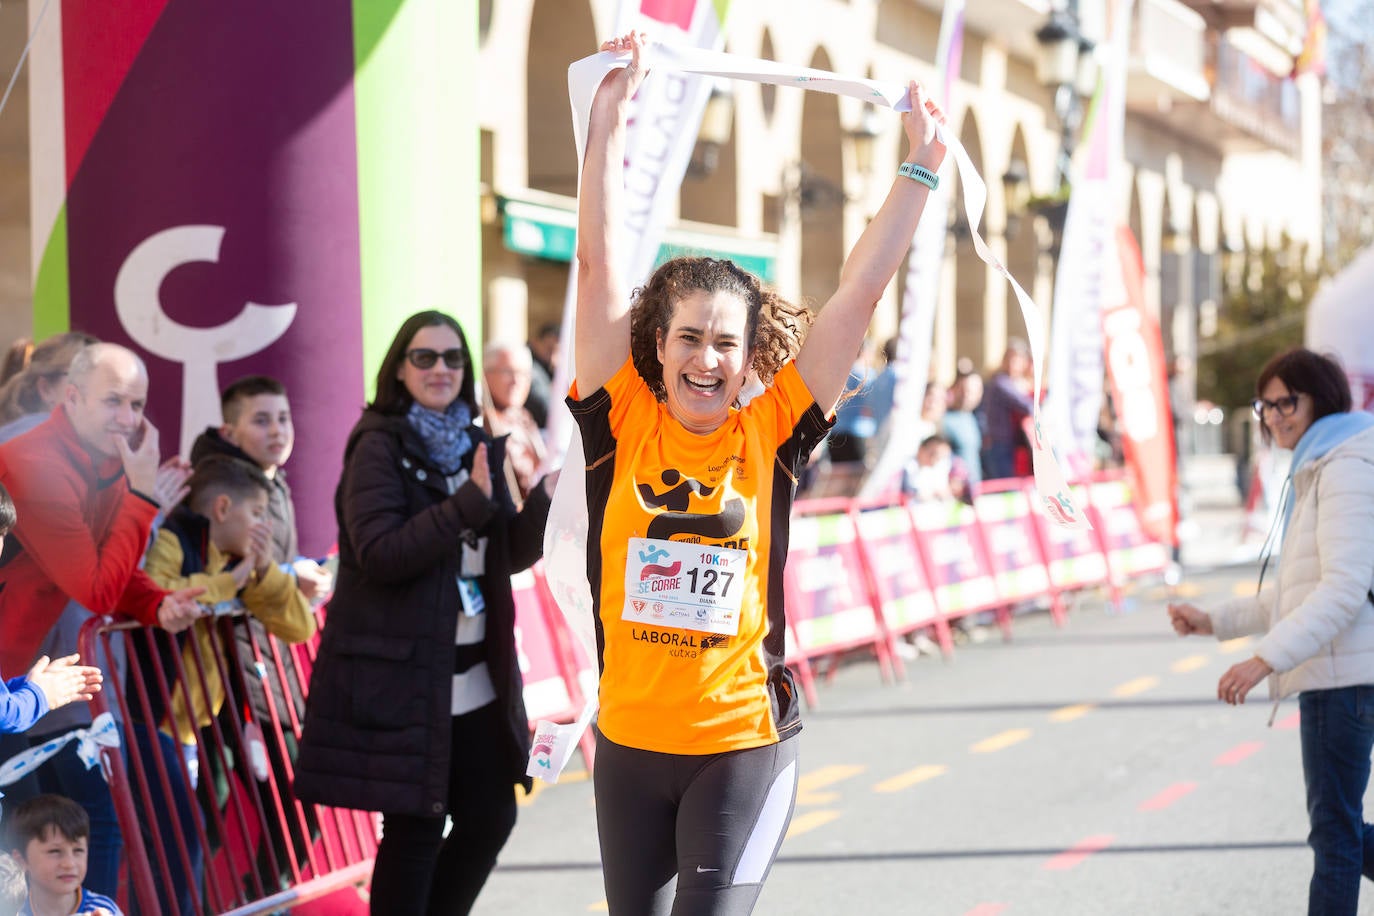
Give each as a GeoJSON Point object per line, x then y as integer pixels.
{"type": "Point", "coordinates": [545, 230]}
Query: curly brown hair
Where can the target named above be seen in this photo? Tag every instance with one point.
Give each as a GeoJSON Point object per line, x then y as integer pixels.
{"type": "Point", "coordinates": [775, 331]}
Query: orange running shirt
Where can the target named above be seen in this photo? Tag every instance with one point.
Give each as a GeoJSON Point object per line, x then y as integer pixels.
{"type": "Point", "coordinates": [672, 688]}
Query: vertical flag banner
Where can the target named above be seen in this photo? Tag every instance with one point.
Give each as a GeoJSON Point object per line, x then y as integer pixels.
{"type": "Point", "coordinates": [657, 150]}
{"type": "Point", "coordinates": [1140, 391]}
{"type": "Point", "coordinates": [1086, 259]}
{"type": "Point", "coordinates": [921, 290]}
{"type": "Point", "coordinates": [255, 188]}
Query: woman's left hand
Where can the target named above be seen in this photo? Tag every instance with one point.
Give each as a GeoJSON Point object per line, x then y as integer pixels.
{"type": "Point", "coordinates": [1240, 679]}
{"type": "Point", "coordinates": [919, 123]}
{"type": "Point", "coordinates": [481, 471]}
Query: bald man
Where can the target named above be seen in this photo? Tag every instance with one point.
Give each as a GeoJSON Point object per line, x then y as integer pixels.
{"type": "Point", "coordinates": [85, 485]}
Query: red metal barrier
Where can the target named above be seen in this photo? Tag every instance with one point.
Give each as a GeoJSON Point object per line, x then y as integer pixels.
{"type": "Point", "coordinates": [225, 798]}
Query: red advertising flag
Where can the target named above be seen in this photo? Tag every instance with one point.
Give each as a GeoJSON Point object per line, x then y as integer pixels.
{"type": "Point", "coordinates": [1140, 391]}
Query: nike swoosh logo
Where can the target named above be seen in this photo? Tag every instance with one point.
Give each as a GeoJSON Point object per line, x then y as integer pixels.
{"type": "Point", "coordinates": [702, 871]}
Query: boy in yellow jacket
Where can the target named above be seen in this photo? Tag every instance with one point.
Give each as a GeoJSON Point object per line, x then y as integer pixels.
{"type": "Point", "coordinates": [221, 541]}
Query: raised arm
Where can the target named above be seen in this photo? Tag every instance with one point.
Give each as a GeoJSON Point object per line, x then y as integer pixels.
{"type": "Point", "coordinates": [834, 340]}
{"type": "Point", "coordinates": [602, 333]}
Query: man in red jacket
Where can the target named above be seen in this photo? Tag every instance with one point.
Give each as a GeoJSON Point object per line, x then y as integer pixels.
{"type": "Point", "coordinates": [84, 484]}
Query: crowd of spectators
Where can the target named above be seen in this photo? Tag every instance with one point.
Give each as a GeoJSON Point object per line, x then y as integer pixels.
{"type": "Point", "coordinates": [972, 430]}
{"type": "Point", "coordinates": [204, 549]}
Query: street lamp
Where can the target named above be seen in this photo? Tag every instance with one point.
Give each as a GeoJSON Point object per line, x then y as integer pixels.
{"type": "Point", "coordinates": [1064, 65]}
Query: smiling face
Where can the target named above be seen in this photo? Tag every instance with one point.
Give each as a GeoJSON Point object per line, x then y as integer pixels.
{"type": "Point", "coordinates": [1286, 430]}
{"type": "Point", "coordinates": [705, 358]}
{"type": "Point", "coordinates": [108, 403]}
{"type": "Point", "coordinates": [438, 386]}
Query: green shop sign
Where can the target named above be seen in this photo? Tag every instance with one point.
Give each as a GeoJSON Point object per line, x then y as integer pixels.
{"type": "Point", "coordinates": [543, 231]}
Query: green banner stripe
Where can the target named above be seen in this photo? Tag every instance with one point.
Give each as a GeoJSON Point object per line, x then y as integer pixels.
{"type": "Point", "coordinates": [418, 169]}
{"type": "Point", "coordinates": [51, 291]}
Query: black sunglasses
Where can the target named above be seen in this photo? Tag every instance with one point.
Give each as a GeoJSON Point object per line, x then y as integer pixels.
{"type": "Point", "coordinates": [424, 358]}
{"type": "Point", "coordinates": [1284, 406]}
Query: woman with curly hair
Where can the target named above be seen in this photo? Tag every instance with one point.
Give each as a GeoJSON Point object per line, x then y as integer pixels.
{"type": "Point", "coordinates": [688, 497]}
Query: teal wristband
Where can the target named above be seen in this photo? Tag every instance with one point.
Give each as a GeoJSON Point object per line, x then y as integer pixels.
{"type": "Point", "coordinates": [918, 173]}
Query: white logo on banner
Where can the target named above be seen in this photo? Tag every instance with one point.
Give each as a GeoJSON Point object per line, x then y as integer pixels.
{"type": "Point", "coordinates": [199, 350]}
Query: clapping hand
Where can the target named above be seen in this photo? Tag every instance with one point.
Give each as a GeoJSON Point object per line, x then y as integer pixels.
{"type": "Point", "coordinates": [63, 681]}
{"type": "Point", "coordinates": [169, 486]}
{"type": "Point", "coordinates": [312, 579]}
{"type": "Point", "coordinates": [481, 471]}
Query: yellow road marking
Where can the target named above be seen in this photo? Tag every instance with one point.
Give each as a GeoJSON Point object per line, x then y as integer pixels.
{"type": "Point", "coordinates": [1242, 589]}
{"type": "Point", "coordinates": [1000, 741]}
{"type": "Point", "coordinates": [602, 907]}
{"type": "Point", "coordinates": [1232, 646]}
{"type": "Point", "coordinates": [1069, 713]}
{"type": "Point", "coordinates": [911, 777]}
{"type": "Point", "coordinates": [825, 776]}
{"type": "Point", "coordinates": [1191, 663]}
{"type": "Point", "coordinates": [1139, 685]}
{"type": "Point", "coordinates": [1187, 590]}
{"type": "Point", "coordinates": [810, 821]}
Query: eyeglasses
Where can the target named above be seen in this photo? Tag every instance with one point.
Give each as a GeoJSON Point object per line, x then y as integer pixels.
{"type": "Point", "coordinates": [1284, 406]}
{"type": "Point", "coordinates": [424, 358]}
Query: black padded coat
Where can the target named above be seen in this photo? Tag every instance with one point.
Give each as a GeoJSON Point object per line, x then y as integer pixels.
{"type": "Point", "coordinates": [377, 724]}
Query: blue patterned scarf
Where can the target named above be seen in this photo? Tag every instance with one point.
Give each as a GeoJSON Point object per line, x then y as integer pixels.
{"type": "Point", "coordinates": [445, 433]}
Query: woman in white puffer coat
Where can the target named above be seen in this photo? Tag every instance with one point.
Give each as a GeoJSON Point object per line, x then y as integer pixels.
{"type": "Point", "coordinates": [1316, 621]}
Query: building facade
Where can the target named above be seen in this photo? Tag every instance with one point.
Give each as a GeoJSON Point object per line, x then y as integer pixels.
{"type": "Point", "coordinates": [1222, 153]}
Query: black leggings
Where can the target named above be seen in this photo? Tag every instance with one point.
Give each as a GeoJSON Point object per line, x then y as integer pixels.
{"type": "Point", "coordinates": [420, 872]}
{"type": "Point", "coordinates": [691, 835]}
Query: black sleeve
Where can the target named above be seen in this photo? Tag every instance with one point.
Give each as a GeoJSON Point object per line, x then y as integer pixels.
{"type": "Point", "coordinates": [392, 545]}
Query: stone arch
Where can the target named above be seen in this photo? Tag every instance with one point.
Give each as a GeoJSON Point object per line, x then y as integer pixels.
{"type": "Point", "coordinates": [819, 183]}
{"type": "Point", "coordinates": [561, 31]}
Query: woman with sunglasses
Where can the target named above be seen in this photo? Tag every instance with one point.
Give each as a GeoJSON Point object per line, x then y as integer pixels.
{"type": "Point", "coordinates": [415, 705]}
{"type": "Point", "coordinates": [1315, 623]}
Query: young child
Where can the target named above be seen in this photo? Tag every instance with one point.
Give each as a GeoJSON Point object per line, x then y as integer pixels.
{"type": "Point", "coordinates": [219, 540]}
{"type": "Point", "coordinates": [257, 428]}
{"type": "Point", "coordinates": [49, 835]}
{"type": "Point", "coordinates": [935, 475]}
{"type": "Point", "coordinates": [49, 684]}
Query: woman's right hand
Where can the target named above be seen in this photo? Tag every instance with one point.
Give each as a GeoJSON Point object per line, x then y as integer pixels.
{"type": "Point", "coordinates": [1189, 620]}
{"type": "Point", "coordinates": [620, 85]}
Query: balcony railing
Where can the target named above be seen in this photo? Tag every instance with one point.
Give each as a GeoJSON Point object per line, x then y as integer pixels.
{"type": "Point", "coordinates": [1169, 47]}
{"type": "Point", "coordinates": [1245, 95]}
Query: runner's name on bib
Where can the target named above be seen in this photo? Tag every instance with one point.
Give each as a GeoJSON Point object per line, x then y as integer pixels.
{"type": "Point", "coordinates": [687, 586]}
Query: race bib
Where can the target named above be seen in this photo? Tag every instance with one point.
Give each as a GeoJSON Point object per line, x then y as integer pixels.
{"type": "Point", "coordinates": [682, 585]}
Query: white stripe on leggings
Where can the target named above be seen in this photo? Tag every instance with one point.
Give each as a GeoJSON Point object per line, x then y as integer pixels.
{"type": "Point", "coordinates": [767, 833]}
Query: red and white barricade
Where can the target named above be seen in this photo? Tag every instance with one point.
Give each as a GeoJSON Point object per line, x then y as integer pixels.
{"type": "Point", "coordinates": [830, 607]}
{"type": "Point", "coordinates": [1130, 551]}
{"type": "Point", "coordinates": [960, 568]}
{"type": "Point", "coordinates": [1014, 545]}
